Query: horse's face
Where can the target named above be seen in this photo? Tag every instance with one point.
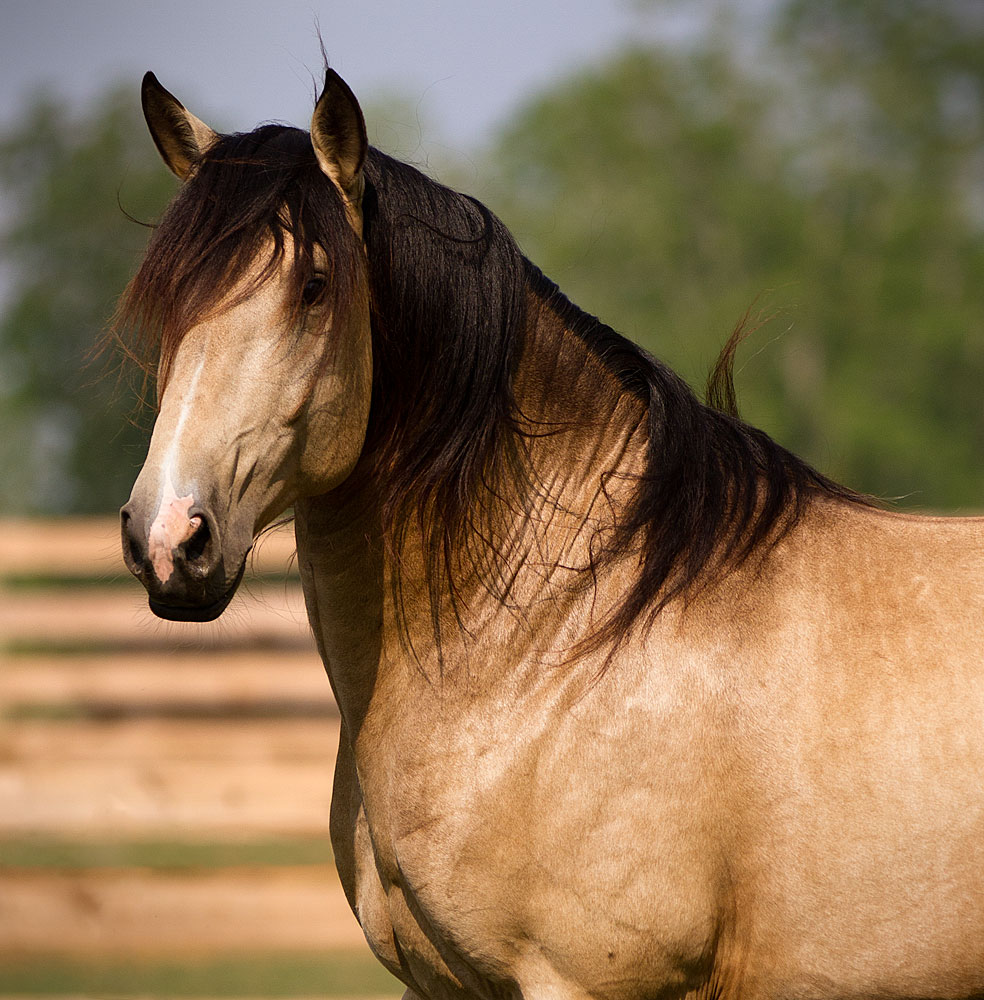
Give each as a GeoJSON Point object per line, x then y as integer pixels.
{"type": "Point", "coordinates": [252, 417]}
{"type": "Point", "coordinates": [262, 404]}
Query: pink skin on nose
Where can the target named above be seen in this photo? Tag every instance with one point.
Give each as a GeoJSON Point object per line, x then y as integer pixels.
{"type": "Point", "coordinates": [171, 527]}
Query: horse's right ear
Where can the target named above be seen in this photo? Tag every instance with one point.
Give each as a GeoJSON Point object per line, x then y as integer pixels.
{"type": "Point", "coordinates": [338, 134]}
{"type": "Point", "coordinates": [181, 138]}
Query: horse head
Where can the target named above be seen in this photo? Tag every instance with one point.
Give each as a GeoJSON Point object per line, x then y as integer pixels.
{"type": "Point", "coordinates": [263, 327]}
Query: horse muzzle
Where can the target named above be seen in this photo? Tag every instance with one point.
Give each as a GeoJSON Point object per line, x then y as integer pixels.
{"type": "Point", "coordinates": [178, 558]}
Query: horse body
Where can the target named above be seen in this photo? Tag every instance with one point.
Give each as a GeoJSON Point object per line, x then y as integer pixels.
{"type": "Point", "coordinates": [770, 786]}
{"type": "Point", "coordinates": [776, 791]}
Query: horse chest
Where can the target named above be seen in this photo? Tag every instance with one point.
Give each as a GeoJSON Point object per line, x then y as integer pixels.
{"type": "Point", "coordinates": [523, 862]}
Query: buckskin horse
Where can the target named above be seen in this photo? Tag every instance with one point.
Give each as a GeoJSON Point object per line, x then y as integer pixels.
{"type": "Point", "coordinates": [634, 703]}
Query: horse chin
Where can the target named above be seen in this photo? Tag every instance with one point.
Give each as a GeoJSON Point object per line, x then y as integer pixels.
{"type": "Point", "coordinates": [197, 612]}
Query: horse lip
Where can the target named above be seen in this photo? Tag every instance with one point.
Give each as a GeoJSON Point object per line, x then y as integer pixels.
{"type": "Point", "coordinates": [197, 613]}
{"type": "Point", "coordinates": [177, 613]}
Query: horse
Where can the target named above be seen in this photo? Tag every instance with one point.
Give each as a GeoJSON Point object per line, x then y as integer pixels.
{"type": "Point", "coordinates": [634, 702]}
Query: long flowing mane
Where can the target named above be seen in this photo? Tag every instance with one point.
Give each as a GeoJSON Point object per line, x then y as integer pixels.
{"type": "Point", "coordinates": [449, 290]}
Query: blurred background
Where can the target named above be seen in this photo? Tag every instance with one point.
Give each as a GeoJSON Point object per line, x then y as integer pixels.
{"type": "Point", "coordinates": [815, 164]}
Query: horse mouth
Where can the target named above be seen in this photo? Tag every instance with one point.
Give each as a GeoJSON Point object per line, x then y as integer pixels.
{"type": "Point", "coordinates": [197, 612]}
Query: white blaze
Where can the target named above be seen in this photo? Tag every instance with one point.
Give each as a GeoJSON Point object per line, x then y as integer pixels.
{"type": "Point", "coordinates": [172, 526]}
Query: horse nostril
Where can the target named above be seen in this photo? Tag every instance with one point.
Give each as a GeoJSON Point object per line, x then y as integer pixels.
{"type": "Point", "coordinates": [133, 551]}
{"type": "Point", "coordinates": [195, 547]}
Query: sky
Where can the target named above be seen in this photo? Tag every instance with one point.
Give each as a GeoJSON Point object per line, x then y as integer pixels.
{"type": "Point", "coordinates": [464, 65]}
{"type": "Point", "coordinates": [460, 67]}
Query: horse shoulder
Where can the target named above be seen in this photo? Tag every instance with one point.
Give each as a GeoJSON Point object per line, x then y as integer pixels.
{"type": "Point", "coordinates": [545, 832]}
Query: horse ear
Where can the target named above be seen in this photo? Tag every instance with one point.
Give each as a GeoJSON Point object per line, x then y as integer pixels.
{"type": "Point", "coordinates": [338, 134]}
{"type": "Point", "coordinates": [180, 137]}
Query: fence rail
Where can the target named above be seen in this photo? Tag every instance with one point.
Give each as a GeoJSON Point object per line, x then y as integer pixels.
{"type": "Point", "coordinates": [164, 789]}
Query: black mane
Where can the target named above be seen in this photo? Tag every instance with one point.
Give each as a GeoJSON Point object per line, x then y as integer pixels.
{"type": "Point", "coordinates": [248, 188]}
{"type": "Point", "coordinates": [714, 491]}
{"type": "Point", "coordinates": [449, 287]}
{"type": "Point", "coordinates": [449, 291]}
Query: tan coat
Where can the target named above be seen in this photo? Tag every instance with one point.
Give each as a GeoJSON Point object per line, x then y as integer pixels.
{"type": "Point", "coordinates": [774, 791]}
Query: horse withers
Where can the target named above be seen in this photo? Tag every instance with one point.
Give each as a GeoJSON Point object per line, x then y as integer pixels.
{"type": "Point", "coordinates": [634, 703]}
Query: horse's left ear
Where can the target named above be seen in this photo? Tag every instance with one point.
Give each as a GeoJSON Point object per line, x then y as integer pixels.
{"type": "Point", "coordinates": [338, 134]}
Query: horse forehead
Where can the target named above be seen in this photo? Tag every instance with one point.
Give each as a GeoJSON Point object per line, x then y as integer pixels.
{"type": "Point", "coordinates": [249, 311]}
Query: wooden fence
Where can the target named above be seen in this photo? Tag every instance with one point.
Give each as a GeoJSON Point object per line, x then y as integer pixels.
{"type": "Point", "coordinates": [164, 788]}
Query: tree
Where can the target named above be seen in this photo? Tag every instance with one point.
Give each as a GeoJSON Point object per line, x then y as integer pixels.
{"type": "Point", "coordinates": [69, 441]}
{"type": "Point", "coordinates": [669, 192]}
{"type": "Point", "coordinates": [836, 179]}
{"type": "Point", "coordinates": [73, 430]}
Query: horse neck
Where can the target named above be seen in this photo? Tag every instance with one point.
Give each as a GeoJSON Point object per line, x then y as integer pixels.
{"type": "Point", "coordinates": [586, 447]}
{"type": "Point", "coordinates": [529, 563]}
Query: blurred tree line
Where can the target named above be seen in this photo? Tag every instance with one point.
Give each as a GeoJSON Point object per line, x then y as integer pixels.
{"type": "Point", "coordinates": [826, 174]}
{"type": "Point", "coordinates": [831, 175]}
{"type": "Point", "coordinates": [71, 432]}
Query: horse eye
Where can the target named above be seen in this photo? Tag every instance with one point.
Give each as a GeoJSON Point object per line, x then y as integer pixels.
{"type": "Point", "coordinates": [313, 290]}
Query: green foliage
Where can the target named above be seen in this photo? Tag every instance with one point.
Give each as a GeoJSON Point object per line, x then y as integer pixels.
{"type": "Point", "coordinates": [671, 192]}
{"type": "Point", "coordinates": [68, 442]}
{"type": "Point", "coordinates": [834, 180]}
